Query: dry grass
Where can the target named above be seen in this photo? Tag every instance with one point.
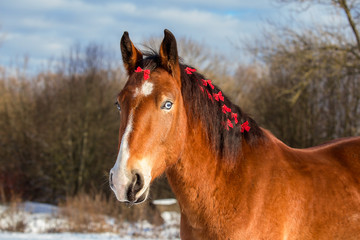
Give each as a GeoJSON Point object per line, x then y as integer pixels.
{"type": "Point", "coordinates": [89, 213]}
{"type": "Point", "coordinates": [99, 213]}
{"type": "Point", "coordinates": [12, 219]}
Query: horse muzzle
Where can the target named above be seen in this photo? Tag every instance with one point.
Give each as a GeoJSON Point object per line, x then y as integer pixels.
{"type": "Point", "coordinates": [132, 191]}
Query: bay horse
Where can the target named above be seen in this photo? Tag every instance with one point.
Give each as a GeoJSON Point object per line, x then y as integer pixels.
{"type": "Point", "coordinates": [232, 178]}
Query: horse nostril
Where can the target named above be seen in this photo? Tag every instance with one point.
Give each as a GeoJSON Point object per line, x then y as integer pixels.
{"type": "Point", "coordinates": [111, 180]}
{"type": "Point", "coordinates": [136, 185]}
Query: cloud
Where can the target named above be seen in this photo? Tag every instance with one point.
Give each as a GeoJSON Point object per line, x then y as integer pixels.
{"type": "Point", "coordinates": [44, 29]}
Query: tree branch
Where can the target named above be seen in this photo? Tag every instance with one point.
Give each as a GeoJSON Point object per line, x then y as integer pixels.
{"type": "Point", "coordinates": [344, 6]}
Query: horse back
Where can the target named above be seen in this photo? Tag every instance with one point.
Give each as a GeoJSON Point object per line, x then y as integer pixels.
{"type": "Point", "coordinates": [342, 155]}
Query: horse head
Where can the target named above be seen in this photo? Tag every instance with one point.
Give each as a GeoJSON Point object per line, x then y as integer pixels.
{"type": "Point", "coordinates": [152, 119]}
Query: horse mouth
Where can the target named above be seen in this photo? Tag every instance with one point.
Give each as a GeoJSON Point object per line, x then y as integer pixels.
{"type": "Point", "coordinates": [142, 198]}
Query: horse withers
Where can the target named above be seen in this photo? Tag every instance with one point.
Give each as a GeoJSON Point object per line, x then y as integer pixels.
{"type": "Point", "coordinates": [232, 178]}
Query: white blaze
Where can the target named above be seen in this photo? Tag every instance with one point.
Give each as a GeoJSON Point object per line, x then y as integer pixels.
{"type": "Point", "coordinates": [120, 178]}
{"type": "Point", "coordinates": [145, 89]}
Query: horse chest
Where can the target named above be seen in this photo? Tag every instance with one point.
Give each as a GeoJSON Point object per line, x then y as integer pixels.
{"type": "Point", "coordinates": [206, 221]}
{"type": "Point", "coordinates": [193, 228]}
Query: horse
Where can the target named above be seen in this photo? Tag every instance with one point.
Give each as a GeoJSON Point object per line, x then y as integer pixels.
{"type": "Point", "coordinates": [232, 178]}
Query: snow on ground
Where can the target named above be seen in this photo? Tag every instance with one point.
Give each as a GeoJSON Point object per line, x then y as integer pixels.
{"type": "Point", "coordinates": [33, 207]}
{"type": "Point", "coordinates": [39, 217]}
{"type": "Point", "coordinates": [167, 201]}
{"type": "Point", "coordinates": [59, 236]}
{"type": "Point", "coordinates": [40, 220]}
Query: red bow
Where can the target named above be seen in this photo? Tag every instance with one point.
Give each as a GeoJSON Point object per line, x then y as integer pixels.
{"type": "Point", "coordinates": [190, 70]}
{"type": "Point", "coordinates": [229, 124]}
{"type": "Point", "coordinates": [209, 95]}
{"type": "Point", "coordinates": [146, 72]}
{"type": "Point", "coordinates": [234, 115]}
{"type": "Point", "coordinates": [218, 96]}
{"type": "Point", "coordinates": [206, 82]}
{"type": "Point", "coordinates": [245, 127]}
{"type": "Point", "coordinates": [225, 109]}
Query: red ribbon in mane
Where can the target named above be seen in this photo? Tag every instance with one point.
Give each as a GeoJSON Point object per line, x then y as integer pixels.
{"type": "Point", "coordinates": [245, 127]}
{"type": "Point", "coordinates": [229, 124]}
{"type": "Point", "coordinates": [225, 109]}
{"type": "Point", "coordinates": [206, 82]}
{"type": "Point", "coordinates": [218, 96]}
{"type": "Point", "coordinates": [190, 70]}
{"type": "Point", "coordinates": [234, 116]}
{"type": "Point", "coordinates": [146, 72]}
{"type": "Point", "coordinates": [139, 69]}
{"type": "Point", "coordinates": [209, 95]}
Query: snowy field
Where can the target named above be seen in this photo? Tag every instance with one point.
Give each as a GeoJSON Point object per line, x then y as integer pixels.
{"type": "Point", "coordinates": [40, 221]}
{"type": "Point", "coordinates": [61, 236]}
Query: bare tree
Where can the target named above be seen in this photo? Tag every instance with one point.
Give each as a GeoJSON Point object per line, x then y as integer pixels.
{"type": "Point", "coordinates": [213, 65]}
{"type": "Point", "coordinates": [311, 91]}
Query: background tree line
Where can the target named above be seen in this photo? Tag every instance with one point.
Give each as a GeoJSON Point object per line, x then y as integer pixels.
{"type": "Point", "coordinates": [308, 89]}
{"type": "Point", "coordinates": [59, 128]}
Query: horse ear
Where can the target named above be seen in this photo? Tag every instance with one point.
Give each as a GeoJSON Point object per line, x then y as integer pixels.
{"type": "Point", "coordinates": [130, 54]}
{"type": "Point", "coordinates": [169, 54]}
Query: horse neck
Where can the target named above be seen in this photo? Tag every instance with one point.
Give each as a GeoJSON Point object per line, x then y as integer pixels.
{"type": "Point", "coordinates": [199, 177]}
{"type": "Point", "coordinates": [204, 184]}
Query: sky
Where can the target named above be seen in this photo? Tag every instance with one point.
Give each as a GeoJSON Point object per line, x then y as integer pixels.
{"type": "Point", "coordinates": [46, 29]}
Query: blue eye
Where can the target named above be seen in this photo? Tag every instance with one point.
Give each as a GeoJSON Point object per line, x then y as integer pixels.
{"type": "Point", "coordinates": [167, 105]}
{"type": "Point", "coordinates": [118, 106]}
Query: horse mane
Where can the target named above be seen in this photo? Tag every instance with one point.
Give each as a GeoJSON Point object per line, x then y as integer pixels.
{"type": "Point", "coordinates": [226, 143]}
